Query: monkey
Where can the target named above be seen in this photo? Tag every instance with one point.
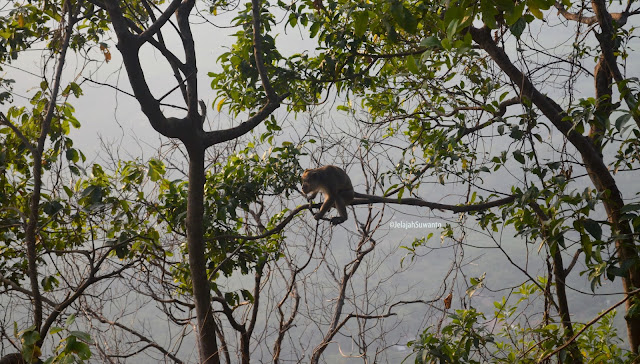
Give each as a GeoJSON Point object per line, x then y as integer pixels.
{"type": "Point", "coordinates": [336, 187]}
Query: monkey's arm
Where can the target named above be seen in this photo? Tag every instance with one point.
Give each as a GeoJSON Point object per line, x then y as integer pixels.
{"type": "Point", "coordinates": [328, 203]}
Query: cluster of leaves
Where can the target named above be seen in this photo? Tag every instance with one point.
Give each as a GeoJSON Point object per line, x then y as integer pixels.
{"type": "Point", "coordinates": [238, 85]}
{"type": "Point", "coordinates": [235, 189]}
{"type": "Point", "coordinates": [29, 23]}
{"type": "Point", "coordinates": [468, 337]}
{"type": "Point", "coordinates": [74, 348]}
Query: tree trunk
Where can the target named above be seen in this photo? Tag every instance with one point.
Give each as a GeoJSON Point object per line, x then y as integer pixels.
{"type": "Point", "coordinates": [563, 305]}
{"type": "Point", "coordinates": [207, 342]}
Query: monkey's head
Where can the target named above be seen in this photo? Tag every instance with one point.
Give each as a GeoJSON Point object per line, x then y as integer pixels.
{"type": "Point", "coordinates": [310, 181]}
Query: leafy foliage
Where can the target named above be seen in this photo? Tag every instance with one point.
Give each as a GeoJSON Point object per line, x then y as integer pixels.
{"type": "Point", "coordinates": [507, 337]}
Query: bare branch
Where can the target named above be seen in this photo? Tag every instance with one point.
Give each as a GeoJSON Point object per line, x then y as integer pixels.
{"type": "Point", "coordinates": [362, 199]}
{"type": "Point", "coordinates": [25, 291]}
{"type": "Point", "coordinates": [137, 334]}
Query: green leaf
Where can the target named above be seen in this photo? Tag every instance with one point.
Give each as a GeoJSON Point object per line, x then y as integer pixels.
{"type": "Point", "coordinates": [156, 169]}
{"type": "Point", "coordinates": [30, 338]}
{"type": "Point", "coordinates": [516, 133]}
{"type": "Point", "coordinates": [313, 30]}
{"type": "Point", "coordinates": [72, 155]}
{"type": "Point", "coordinates": [587, 247]}
{"type": "Point", "coordinates": [620, 121]}
{"type": "Point", "coordinates": [70, 320]}
{"type": "Point", "coordinates": [79, 348]}
{"type": "Point", "coordinates": [518, 27]}
{"type": "Point", "coordinates": [454, 13]}
{"type": "Point", "coordinates": [81, 335]}
{"type": "Point", "coordinates": [518, 156]}
{"type": "Point", "coordinates": [593, 228]}
{"type": "Point", "coordinates": [410, 23]}
{"type": "Point", "coordinates": [431, 42]}
{"type": "Point", "coordinates": [49, 283]}
{"type": "Point", "coordinates": [514, 13]}
{"type": "Point", "coordinates": [360, 23]}
{"type": "Point", "coordinates": [489, 13]}
{"type": "Point", "coordinates": [452, 28]}
{"type": "Point", "coordinates": [536, 12]}
{"type": "Point", "coordinates": [397, 12]}
{"type": "Point", "coordinates": [412, 65]}
{"type": "Point", "coordinates": [630, 207]}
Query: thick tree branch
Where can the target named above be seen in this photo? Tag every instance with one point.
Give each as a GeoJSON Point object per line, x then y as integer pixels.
{"type": "Point", "coordinates": [369, 199]}
{"type": "Point", "coordinates": [17, 287]}
{"type": "Point", "coordinates": [129, 47]}
{"type": "Point", "coordinates": [226, 309]}
{"type": "Point", "coordinates": [190, 68]}
{"type": "Point", "coordinates": [160, 22]}
{"type": "Point", "coordinates": [219, 136]}
{"type": "Point", "coordinates": [394, 55]}
{"type": "Point", "coordinates": [362, 199]}
{"type": "Point", "coordinates": [559, 273]}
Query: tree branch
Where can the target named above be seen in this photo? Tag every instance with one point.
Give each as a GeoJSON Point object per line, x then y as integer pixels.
{"type": "Point", "coordinates": [362, 199]}
{"type": "Point", "coordinates": [191, 70]}
{"type": "Point", "coordinates": [159, 23]}
{"type": "Point", "coordinates": [25, 291]}
{"type": "Point", "coordinates": [219, 136]}
{"type": "Point", "coordinates": [129, 46]}
{"type": "Point", "coordinates": [34, 200]}
{"type": "Point", "coordinates": [606, 39]}
{"type": "Point", "coordinates": [142, 338]}
{"type": "Point", "coordinates": [620, 18]}
{"type": "Point", "coordinates": [256, 10]}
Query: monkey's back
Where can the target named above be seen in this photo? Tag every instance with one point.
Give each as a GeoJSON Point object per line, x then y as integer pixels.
{"type": "Point", "coordinates": [343, 182]}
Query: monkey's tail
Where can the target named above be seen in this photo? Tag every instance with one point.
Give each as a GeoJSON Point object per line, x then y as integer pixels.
{"type": "Point", "coordinates": [373, 198]}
